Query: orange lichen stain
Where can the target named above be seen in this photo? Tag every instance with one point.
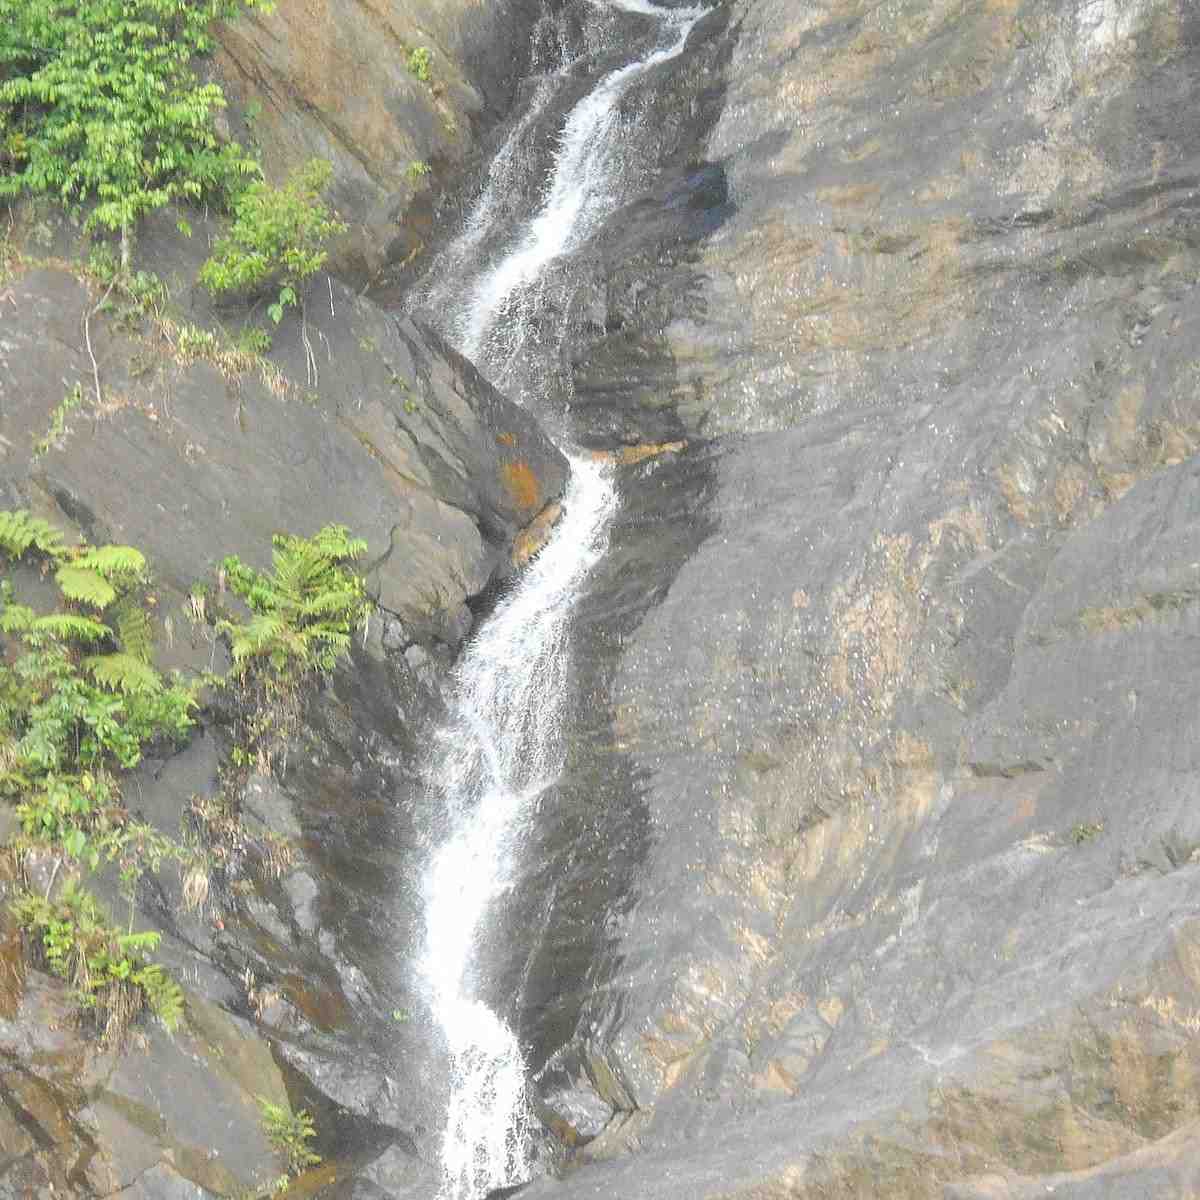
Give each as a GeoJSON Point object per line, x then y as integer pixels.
{"type": "Point", "coordinates": [523, 488]}
{"type": "Point", "coordinates": [506, 439]}
{"type": "Point", "coordinates": [535, 535]}
{"type": "Point", "coordinates": [626, 456]}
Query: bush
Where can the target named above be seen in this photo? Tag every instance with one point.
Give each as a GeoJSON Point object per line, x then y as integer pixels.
{"type": "Point", "coordinates": [79, 701]}
{"type": "Point", "coordinates": [305, 609]}
{"type": "Point", "coordinates": [289, 1134]}
{"type": "Point", "coordinates": [99, 101]}
{"type": "Point", "coordinates": [277, 240]}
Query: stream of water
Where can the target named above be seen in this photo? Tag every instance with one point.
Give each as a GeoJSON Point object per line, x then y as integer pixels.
{"type": "Point", "coordinates": [502, 745]}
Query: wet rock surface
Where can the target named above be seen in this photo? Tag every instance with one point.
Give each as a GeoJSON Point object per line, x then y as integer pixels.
{"type": "Point", "coordinates": [296, 964]}
{"type": "Point", "coordinates": [912, 723]}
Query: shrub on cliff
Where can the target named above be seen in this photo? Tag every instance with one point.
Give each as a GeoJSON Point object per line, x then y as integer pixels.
{"type": "Point", "coordinates": [79, 702]}
{"type": "Point", "coordinates": [302, 615]}
{"type": "Point", "coordinates": [99, 102]}
{"type": "Point", "coordinates": [278, 238]}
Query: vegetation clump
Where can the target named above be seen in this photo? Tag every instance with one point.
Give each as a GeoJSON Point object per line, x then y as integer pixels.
{"type": "Point", "coordinates": [302, 614]}
{"type": "Point", "coordinates": [420, 60]}
{"type": "Point", "coordinates": [304, 610]}
{"type": "Point", "coordinates": [278, 238]}
{"type": "Point", "coordinates": [79, 702]}
{"type": "Point", "coordinates": [99, 101]}
{"type": "Point", "coordinates": [108, 969]}
{"type": "Point", "coordinates": [289, 1134]}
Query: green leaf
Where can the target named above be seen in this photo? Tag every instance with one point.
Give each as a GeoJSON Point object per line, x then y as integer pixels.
{"type": "Point", "coordinates": [67, 626]}
{"type": "Point", "coordinates": [112, 561]}
{"type": "Point", "coordinates": [123, 673]}
{"type": "Point", "coordinates": [18, 530]}
{"type": "Point", "coordinates": [85, 586]}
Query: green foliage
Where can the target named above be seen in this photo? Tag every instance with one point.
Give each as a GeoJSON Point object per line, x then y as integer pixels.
{"type": "Point", "coordinates": [93, 576]}
{"type": "Point", "coordinates": [58, 420]}
{"type": "Point", "coordinates": [99, 101]}
{"type": "Point", "coordinates": [289, 1134]}
{"type": "Point", "coordinates": [416, 170]}
{"type": "Point", "coordinates": [253, 341]}
{"type": "Point", "coordinates": [304, 611]}
{"type": "Point", "coordinates": [107, 968]}
{"type": "Point", "coordinates": [79, 701]}
{"type": "Point", "coordinates": [278, 238]}
{"type": "Point", "coordinates": [419, 63]}
{"type": "Point", "coordinates": [132, 294]}
{"type": "Point", "coordinates": [70, 716]}
{"type": "Point", "coordinates": [19, 531]}
{"type": "Point", "coordinates": [125, 673]}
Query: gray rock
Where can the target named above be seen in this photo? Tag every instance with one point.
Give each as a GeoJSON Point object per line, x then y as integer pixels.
{"type": "Point", "coordinates": [882, 844]}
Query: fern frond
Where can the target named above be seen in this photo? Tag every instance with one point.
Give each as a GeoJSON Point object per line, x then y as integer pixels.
{"type": "Point", "coordinates": [16, 618]}
{"type": "Point", "coordinates": [19, 531]}
{"type": "Point", "coordinates": [112, 561]}
{"type": "Point", "coordinates": [330, 602]}
{"type": "Point", "coordinates": [256, 636]}
{"type": "Point", "coordinates": [135, 630]}
{"type": "Point", "coordinates": [85, 585]}
{"type": "Point", "coordinates": [123, 673]}
{"type": "Point", "coordinates": [164, 995]}
{"type": "Point", "coordinates": [67, 626]}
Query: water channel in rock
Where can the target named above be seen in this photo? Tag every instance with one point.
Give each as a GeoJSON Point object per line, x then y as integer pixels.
{"type": "Point", "coordinates": [502, 745]}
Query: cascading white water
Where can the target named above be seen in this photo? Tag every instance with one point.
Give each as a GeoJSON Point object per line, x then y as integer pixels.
{"type": "Point", "coordinates": [579, 194]}
{"type": "Point", "coordinates": [502, 745]}
{"type": "Point", "coordinates": [500, 751]}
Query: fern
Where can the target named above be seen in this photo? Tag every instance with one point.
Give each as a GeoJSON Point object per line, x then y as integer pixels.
{"type": "Point", "coordinates": [305, 609]}
{"type": "Point", "coordinates": [16, 618]}
{"type": "Point", "coordinates": [113, 561]}
{"type": "Point", "coordinates": [134, 630]}
{"type": "Point", "coordinates": [67, 626]}
{"type": "Point", "coordinates": [123, 673]}
{"type": "Point", "coordinates": [19, 531]}
{"type": "Point", "coordinates": [163, 994]}
{"type": "Point", "coordinates": [85, 586]}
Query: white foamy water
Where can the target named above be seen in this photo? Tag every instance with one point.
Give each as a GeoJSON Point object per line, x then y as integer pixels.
{"type": "Point", "coordinates": [502, 746]}
{"type": "Point", "coordinates": [500, 178]}
{"type": "Point", "coordinates": [580, 191]}
{"type": "Point", "coordinates": [499, 752]}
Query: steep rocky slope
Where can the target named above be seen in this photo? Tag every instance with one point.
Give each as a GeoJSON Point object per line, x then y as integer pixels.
{"type": "Point", "coordinates": [907, 699]}
{"type": "Point", "coordinates": [873, 870]}
{"type": "Point", "coordinates": [138, 423]}
{"type": "Point", "coordinates": [383, 91]}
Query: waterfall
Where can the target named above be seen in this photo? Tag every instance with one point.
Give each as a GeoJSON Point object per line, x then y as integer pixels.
{"type": "Point", "coordinates": [501, 746]}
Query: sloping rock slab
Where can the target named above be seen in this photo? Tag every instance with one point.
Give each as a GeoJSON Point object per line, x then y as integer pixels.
{"type": "Point", "coordinates": [397, 438]}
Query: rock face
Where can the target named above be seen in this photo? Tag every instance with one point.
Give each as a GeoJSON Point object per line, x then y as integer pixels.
{"type": "Point", "coordinates": [340, 81]}
{"type": "Point", "coordinates": [909, 704]}
{"type": "Point", "coordinates": [191, 451]}
{"type": "Point", "coordinates": [873, 870]}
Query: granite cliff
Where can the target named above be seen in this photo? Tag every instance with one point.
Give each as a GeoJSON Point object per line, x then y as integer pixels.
{"type": "Point", "coordinates": [875, 864]}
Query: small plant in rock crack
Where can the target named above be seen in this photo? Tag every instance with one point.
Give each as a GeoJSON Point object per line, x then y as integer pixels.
{"type": "Point", "coordinates": [303, 613]}
{"type": "Point", "coordinates": [58, 421]}
{"type": "Point", "coordinates": [289, 1134]}
{"type": "Point", "coordinates": [1086, 831]}
{"type": "Point", "coordinates": [278, 239]}
{"type": "Point", "coordinates": [420, 60]}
